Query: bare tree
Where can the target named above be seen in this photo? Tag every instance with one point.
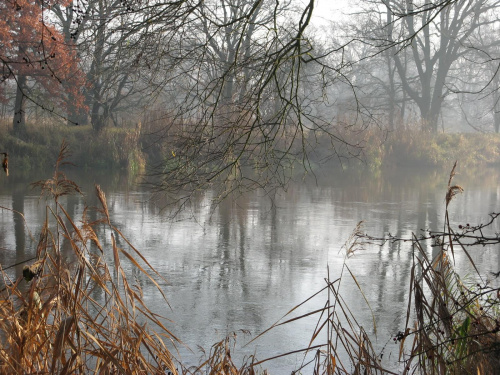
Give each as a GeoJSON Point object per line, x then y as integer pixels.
{"type": "Point", "coordinates": [108, 50]}
{"type": "Point", "coordinates": [476, 82]}
{"type": "Point", "coordinates": [424, 46]}
{"type": "Point", "coordinates": [373, 71]}
{"type": "Point", "coordinates": [242, 78]}
{"type": "Point", "coordinates": [437, 35]}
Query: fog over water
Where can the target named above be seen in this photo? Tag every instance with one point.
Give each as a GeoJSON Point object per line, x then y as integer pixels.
{"type": "Point", "coordinates": [244, 264]}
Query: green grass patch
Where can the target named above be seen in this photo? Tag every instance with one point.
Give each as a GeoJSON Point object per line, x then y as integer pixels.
{"type": "Point", "coordinates": [113, 148]}
{"type": "Point", "coordinates": [415, 148]}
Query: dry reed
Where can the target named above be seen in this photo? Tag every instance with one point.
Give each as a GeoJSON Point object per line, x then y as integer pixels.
{"type": "Point", "coordinates": [455, 324]}
{"type": "Point", "coordinates": [50, 319]}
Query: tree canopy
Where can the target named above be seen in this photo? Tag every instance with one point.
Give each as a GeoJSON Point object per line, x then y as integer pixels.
{"type": "Point", "coordinates": [34, 54]}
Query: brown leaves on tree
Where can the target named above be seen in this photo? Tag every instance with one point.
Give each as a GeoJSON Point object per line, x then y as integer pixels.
{"type": "Point", "coordinates": [32, 47]}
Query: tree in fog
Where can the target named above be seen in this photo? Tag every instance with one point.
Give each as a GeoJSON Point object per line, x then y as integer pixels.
{"type": "Point", "coordinates": [223, 46]}
{"type": "Point", "coordinates": [378, 92]}
{"type": "Point", "coordinates": [240, 78]}
{"type": "Point", "coordinates": [478, 81]}
{"type": "Point", "coordinates": [108, 49]}
{"type": "Point", "coordinates": [425, 43]}
{"type": "Point", "coordinates": [34, 55]}
{"type": "Point", "coordinates": [433, 39]}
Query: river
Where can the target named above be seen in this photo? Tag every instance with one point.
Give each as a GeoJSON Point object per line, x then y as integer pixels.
{"type": "Point", "coordinates": [243, 264]}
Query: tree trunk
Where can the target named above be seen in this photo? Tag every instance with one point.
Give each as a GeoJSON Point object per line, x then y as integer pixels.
{"type": "Point", "coordinates": [75, 115]}
{"type": "Point", "coordinates": [96, 117]}
{"type": "Point", "coordinates": [96, 71]}
{"type": "Point", "coordinates": [19, 122]}
{"type": "Point", "coordinates": [496, 116]}
{"type": "Point", "coordinates": [496, 102]}
{"type": "Point", "coordinates": [229, 76]}
{"type": "Point", "coordinates": [431, 121]}
{"type": "Point", "coordinates": [390, 71]}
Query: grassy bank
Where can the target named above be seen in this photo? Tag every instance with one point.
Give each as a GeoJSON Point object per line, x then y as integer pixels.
{"type": "Point", "coordinates": [131, 149]}
{"type": "Point", "coordinates": [113, 148]}
{"type": "Point", "coordinates": [415, 148]}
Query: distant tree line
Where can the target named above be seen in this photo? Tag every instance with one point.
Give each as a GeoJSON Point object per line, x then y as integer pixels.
{"type": "Point", "coordinates": [431, 62]}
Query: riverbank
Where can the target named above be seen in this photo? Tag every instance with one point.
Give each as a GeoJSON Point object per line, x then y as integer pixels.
{"type": "Point", "coordinates": [112, 148]}
{"type": "Point", "coordinates": [414, 148]}
{"type": "Point", "coordinates": [129, 149]}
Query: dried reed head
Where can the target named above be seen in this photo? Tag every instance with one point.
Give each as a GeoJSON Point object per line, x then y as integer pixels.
{"type": "Point", "coordinates": [59, 185]}
{"type": "Point", "coordinates": [355, 241]}
{"type": "Point", "coordinates": [452, 173]}
{"type": "Point", "coordinates": [452, 191]}
{"type": "Point", "coordinates": [104, 204]}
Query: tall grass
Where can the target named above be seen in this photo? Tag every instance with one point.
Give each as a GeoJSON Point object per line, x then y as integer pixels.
{"type": "Point", "coordinates": [457, 323]}
{"type": "Point", "coordinates": [113, 148]}
{"type": "Point", "coordinates": [50, 319]}
{"type": "Point", "coordinates": [412, 147]}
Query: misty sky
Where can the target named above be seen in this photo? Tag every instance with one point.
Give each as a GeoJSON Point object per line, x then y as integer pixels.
{"type": "Point", "coordinates": [325, 10]}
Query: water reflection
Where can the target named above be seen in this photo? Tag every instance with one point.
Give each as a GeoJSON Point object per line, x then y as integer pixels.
{"type": "Point", "coordinates": [244, 263]}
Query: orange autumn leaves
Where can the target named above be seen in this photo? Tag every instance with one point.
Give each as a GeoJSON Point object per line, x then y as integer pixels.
{"type": "Point", "coordinates": [31, 46]}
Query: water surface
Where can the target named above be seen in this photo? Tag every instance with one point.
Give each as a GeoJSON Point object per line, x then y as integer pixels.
{"type": "Point", "coordinates": [243, 264]}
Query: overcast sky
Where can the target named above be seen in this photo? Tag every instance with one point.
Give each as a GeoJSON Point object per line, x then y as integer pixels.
{"type": "Point", "coordinates": [326, 10]}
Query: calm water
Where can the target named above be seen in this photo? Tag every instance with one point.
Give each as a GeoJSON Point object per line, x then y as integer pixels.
{"type": "Point", "coordinates": [245, 263]}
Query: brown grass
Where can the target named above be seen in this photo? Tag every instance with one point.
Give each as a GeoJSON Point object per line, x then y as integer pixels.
{"type": "Point", "coordinates": [50, 321]}
{"type": "Point", "coordinates": [452, 326]}
{"type": "Point", "coordinates": [412, 147]}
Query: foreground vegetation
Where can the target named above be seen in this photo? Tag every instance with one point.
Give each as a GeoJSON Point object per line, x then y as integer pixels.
{"type": "Point", "coordinates": [51, 321]}
{"type": "Point", "coordinates": [452, 324]}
